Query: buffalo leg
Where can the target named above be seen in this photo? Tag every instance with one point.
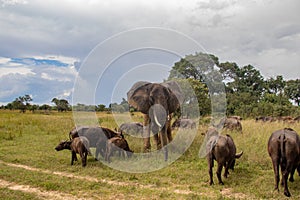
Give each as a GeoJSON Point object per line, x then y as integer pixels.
{"type": "Point", "coordinates": [276, 173]}
{"type": "Point", "coordinates": [219, 172]}
{"type": "Point", "coordinates": [73, 157]}
{"type": "Point", "coordinates": [285, 183]}
{"type": "Point", "coordinates": [210, 171]}
{"type": "Point", "coordinates": [285, 175]}
{"type": "Point", "coordinates": [210, 168]}
{"type": "Point", "coordinates": [291, 179]}
{"type": "Point", "coordinates": [83, 158]}
{"type": "Point", "coordinates": [226, 169]}
{"type": "Point", "coordinates": [100, 148]}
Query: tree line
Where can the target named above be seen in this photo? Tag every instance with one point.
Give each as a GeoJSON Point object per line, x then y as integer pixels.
{"type": "Point", "coordinates": [248, 93]}
{"type": "Point", "coordinates": [22, 103]}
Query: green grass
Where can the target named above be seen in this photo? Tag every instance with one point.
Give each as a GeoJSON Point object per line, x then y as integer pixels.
{"type": "Point", "coordinates": [29, 140]}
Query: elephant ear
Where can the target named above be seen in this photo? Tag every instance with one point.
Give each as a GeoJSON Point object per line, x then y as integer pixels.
{"type": "Point", "coordinates": [138, 96]}
{"type": "Point", "coordinates": [176, 96]}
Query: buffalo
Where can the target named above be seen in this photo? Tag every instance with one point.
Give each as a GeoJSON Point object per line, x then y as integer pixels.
{"type": "Point", "coordinates": [265, 119]}
{"type": "Point", "coordinates": [297, 119]}
{"type": "Point", "coordinates": [97, 137]}
{"type": "Point", "coordinates": [284, 150]}
{"type": "Point", "coordinates": [133, 128]}
{"type": "Point", "coordinates": [223, 150]}
{"type": "Point", "coordinates": [184, 123]}
{"type": "Point", "coordinates": [117, 144]}
{"type": "Point", "coordinates": [236, 117]}
{"type": "Point", "coordinates": [230, 123]}
{"type": "Point", "coordinates": [78, 145]}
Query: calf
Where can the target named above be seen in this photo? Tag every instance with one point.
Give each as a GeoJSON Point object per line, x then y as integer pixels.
{"type": "Point", "coordinates": [284, 150]}
{"type": "Point", "coordinates": [78, 145]}
{"type": "Point", "coordinates": [117, 144]}
{"type": "Point", "coordinates": [222, 149]}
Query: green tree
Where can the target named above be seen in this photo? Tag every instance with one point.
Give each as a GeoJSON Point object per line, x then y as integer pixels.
{"type": "Point", "coordinates": [195, 98]}
{"type": "Point", "coordinates": [229, 70]}
{"type": "Point", "coordinates": [275, 85]}
{"type": "Point", "coordinates": [249, 80]}
{"type": "Point", "coordinates": [101, 107]}
{"type": "Point", "coordinates": [22, 103]}
{"type": "Point", "coordinates": [292, 90]}
{"type": "Point", "coordinates": [125, 104]}
{"type": "Point", "coordinates": [194, 66]}
{"type": "Point", "coordinates": [200, 72]}
{"type": "Point", "coordinates": [61, 104]}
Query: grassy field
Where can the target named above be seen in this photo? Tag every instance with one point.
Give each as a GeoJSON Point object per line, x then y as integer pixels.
{"type": "Point", "coordinates": [30, 168]}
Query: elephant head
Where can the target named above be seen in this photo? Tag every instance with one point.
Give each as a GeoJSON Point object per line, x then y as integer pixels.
{"type": "Point", "coordinates": [156, 101]}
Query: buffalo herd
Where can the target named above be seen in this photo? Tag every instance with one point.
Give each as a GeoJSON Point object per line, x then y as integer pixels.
{"type": "Point", "coordinates": [284, 119]}
{"type": "Point", "coordinates": [283, 145]}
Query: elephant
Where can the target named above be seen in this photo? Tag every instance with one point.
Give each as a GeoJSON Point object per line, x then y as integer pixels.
{"type": "Point", "coordinates": [157, 101]}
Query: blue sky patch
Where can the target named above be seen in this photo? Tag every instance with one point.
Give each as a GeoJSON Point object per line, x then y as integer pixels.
{"type": "Point", "coordinates": [34, 61]}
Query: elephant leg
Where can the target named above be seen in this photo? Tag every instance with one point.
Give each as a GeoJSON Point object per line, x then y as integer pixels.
{"type": "Point", "coordinates": [157, 140]}
{"type": "Point", "coordinates": [146, 133]}
{"type": "Point", "coordinates": [169, 131]}
{"type": "Point", "coordinates": [164, 141]}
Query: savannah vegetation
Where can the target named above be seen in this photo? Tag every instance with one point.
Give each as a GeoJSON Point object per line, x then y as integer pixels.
{"type": "Point", "coordinates": [28, 141]}
{"type": "Point", "coordinates": [30, 168]}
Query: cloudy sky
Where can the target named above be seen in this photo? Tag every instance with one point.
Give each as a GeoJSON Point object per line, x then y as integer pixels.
{"type": "Point", "coordinates": [47, 45]}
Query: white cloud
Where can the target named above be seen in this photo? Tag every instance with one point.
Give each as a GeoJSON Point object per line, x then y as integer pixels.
{"type": "Point", "coordinates": [265, 34]}
{"type": "Point", "coordinates": [12, 2]}
{"type": "Point", "coordinates": [4, 60]}
{"type": "Point", "coordinates": [17, 70]}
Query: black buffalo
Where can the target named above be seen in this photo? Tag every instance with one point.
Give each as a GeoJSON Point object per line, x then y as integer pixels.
{"type": "Point", "coordinates": [231, 123]}
{"type": "Point", "coordinates": [97, 137]}
{"type": "Point", "coordinates": [222, 149]}
{"type": "Point", "coordinates": [117, 144]}
{"type": "Point", "coordinates": [184, 123]}
{"type": "Point", "coordinates": [78, 145]}
{"type": "Point", "coordinates": [132, 128]}
{"type": "Point", "coordinates": [284, 150]}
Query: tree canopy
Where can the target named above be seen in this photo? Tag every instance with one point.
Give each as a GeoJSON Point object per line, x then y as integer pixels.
{"type": "Point", "coordinates": [247, 92]}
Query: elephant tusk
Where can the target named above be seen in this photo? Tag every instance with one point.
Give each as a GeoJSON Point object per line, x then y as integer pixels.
{"type": "Point", "coordinates": [156, 120]}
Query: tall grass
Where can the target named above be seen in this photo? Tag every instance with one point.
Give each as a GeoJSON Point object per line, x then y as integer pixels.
{"type": "Point", "coordinates": [29, 139]}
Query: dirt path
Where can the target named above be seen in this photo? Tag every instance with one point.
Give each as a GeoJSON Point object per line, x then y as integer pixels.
{"type": "Point", "coordinates": [54, 194]}
{"type": "Point", "coordinates": [49, 195]}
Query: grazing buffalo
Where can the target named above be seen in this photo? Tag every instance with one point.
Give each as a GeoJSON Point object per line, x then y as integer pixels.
{"type": "Point", "coordinates": [222, 149]}
{"type": "Point", "coordinates": [97, 137]}
{"type": "Point", "coordinates": [78, 145]}
{"type": "Point", "coordinates": [184, 123]}
{"type": "Point", "coordinates": [117, 144]}
{"type": "Point", "coordinates": [297, 119]}
{"type": "Point", "coordinates": [284, 150]}
{"type": "Point", "coordinates": [133, 128]}
{"type": "Point", "coordinates": [231, 124]}
{"type": "Point", "coordinates": [265, 119]}
{"type": "Point", "coordinates": [236, 117]}
{"type": "Point", "coordinates": [285, 119]}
